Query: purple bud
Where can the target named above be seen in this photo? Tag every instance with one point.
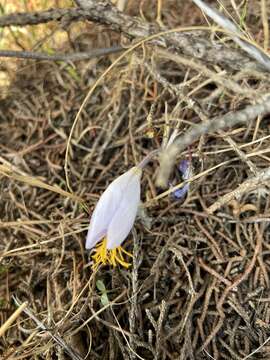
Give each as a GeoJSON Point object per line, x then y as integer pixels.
{"type": "Point", "coordinates": [185, 169]}
{"type": "Point", "coordinates": [180, 193]}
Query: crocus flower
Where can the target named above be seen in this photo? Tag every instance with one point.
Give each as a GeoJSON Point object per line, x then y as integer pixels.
{"type": "Point", "coordinates": [186, 171]}
{"type": "Point", "coordinates": [113, 218]}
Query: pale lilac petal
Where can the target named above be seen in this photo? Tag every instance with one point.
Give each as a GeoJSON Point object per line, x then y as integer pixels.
{"type": "Point", "coordinates": [184, 168]}
{"type": "Point", "coordinates": [125, 215]}
{"type": "Point", "coordinates": [106, 209]}
{"type": "Point", "coordinates": [180, 193]}
{"type": "Point", "coordinates": [93, 238]}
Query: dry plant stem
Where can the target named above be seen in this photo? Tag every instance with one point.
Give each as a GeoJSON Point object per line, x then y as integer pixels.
{"type": "Point", "coordinates": [194, 44]}
{"type": "Point", "coordinates": [104, 74]}
{"type": "Point", "coordinates": [233, 285]}
{"type": "Point", "coordinates": [246, 115]}
{"type": "Point", "coordinates": [148, 158]}
{"type": "Point", "coordinates": [30, 180]}
{"type": "Point", "coordinates": [265, 24]}
{"type": "Point", "coordinates": [60, 57]}
{"type": "Point", "coordinates": [163, 309]}
{"type": "Point", "coordinates": [213, 272]}
{"type": "Point", "coordinates": [179, 256]}
{"type": "Point", "coordinates": [43, 17]}
{"type": "Point", "coordinates": [246, 186]}
{"type": "Point", "coordinates": [12, 318]}
{"type": "Point", "coordinates": [134, 298]}
{"type": "Point", "coordinates": [256, 350]}
{"type": "Point", "coordinates": [223, 81]}
{"type": "Point", "coordinates": [41, 326]}
{"type": "Point", "coordinates": [248, 46]}
{"type": "Point", "coordinates": [240, 153]}
{"type": "Point", "coordinates": [95, 314]}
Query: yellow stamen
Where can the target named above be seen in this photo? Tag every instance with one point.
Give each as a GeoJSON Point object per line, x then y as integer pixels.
{"type": "Point", "coordinates": [110, 257]}
{"type": "Point", "coordinates": [125, 251]}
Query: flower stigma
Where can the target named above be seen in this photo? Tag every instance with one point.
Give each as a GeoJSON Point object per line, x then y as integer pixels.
{"type": "Point", "coordinates": [103, 256]}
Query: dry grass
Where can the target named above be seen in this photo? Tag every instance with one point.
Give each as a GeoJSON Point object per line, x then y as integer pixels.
{"type": "Point", "coordinates": [199, 284]}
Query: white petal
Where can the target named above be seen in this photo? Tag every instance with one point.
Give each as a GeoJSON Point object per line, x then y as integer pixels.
{"type": "Point", "coordinates": [106, 209]}
{"type": "Point", "coordinates": [125, 215]}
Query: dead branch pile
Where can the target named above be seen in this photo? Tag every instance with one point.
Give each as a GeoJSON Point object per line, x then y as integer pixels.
{"type": "Point", "coordinates": [199, 284]}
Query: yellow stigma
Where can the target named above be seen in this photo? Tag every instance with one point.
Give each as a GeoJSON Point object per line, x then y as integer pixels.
{"type": "Point", "coordinates": [110, 257]}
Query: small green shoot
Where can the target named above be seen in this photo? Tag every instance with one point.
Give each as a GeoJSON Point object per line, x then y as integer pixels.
{"type": "Point", "coordinates": [102, 288]}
